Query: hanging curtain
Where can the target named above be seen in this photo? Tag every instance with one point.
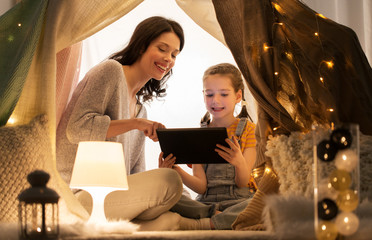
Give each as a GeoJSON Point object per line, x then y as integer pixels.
{"type": "Point", "coordinates": [20, 30]}
{"type": "Point", "coordinates": [66, 23]}
{"type": "Point", "coordinates": [68, 69]}
{"type": "Point", "coordinates": [298, 65]}
{"type": "Point", "coordinates": [52, 31]}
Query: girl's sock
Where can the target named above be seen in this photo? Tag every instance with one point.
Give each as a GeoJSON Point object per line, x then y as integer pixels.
{"type": "Point", "coordinates": [195, 224]}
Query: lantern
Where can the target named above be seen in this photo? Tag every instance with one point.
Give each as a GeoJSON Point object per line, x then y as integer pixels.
{"type": "Point", "coordinates": [38, 209]}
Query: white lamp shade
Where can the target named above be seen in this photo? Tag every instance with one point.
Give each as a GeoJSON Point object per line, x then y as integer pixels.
{"type": "Point", "coordinates": [99, 164]}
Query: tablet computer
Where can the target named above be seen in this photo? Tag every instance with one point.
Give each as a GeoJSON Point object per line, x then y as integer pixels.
{"type": "Point", "coordinates": [193, 145]}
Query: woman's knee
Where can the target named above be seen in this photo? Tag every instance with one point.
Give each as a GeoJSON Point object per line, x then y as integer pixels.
{"type": "Point", "coordinates": [172, 180]}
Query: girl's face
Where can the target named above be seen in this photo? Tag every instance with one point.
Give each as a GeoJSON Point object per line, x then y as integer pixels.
{"type": "Point", "coordinates": [160, 56]}
{"type": "Point", "coordinates": [220, 97]}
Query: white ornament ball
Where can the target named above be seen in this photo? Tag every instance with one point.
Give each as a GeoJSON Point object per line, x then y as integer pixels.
{"type": "Point", "coordinates": [347, 223]}
{"type": "Point", "coordinates": [346, 160]}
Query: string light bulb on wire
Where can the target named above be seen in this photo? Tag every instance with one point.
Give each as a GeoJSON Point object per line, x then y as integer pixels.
{"type": "Point", "coordinates": [266, 48]}
{"type": "Point", "coordinates": [329, 63]}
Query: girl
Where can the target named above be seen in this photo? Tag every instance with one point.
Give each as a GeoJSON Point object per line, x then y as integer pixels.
{"type": "Point", "coordinates": [107, 105]}
{"type": "Point", "coordinates": [223, 189]}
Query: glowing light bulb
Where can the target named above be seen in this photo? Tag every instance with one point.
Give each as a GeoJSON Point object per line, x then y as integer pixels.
{"type": "Point", "coordinates": [347, 223]}
{"type": "Point", "coordinates": [340, 179]}
{"type": "Point", "coordinates": [266, 47]}
{"type": "Point", "coordinates": [11, 121]}
{"type": "Point", "coordinates": [346, 160]}
{"type": "Point", "coordinates": [347, 200]}
{"type": "Point", "coordinates": [326, 231]}
{"type": "Point", "coordinates": [316, 34]}
{"type": "Point", "coordinates": [278, 8]}
{"type": "Point", "coordinates": [329, 64]}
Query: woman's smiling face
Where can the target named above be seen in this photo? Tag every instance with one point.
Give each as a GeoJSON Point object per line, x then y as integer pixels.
{"type": "Point", "coordinates": [219, 96]}
{"type": "Point", "coordinates": [160, 56]}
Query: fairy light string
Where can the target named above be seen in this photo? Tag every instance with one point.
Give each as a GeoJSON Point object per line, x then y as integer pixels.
{"type": "Point", "coordinates": [326, 65]}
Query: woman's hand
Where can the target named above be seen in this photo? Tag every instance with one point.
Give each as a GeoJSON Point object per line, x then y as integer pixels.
{"type": "Point", "coordinates": [167, 162]}
{"type": "Point", "coordinates": [233, 154]}
{"type": "Point", "coordinates": [149, 127]}
{"type": "Point", "coordinates": [121, 126]}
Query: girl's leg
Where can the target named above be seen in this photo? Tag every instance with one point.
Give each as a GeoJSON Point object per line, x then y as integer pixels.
{"type": "Point", "coordinates": [150, 194]}
{"type": "Point", "coordinates": [190, 208]}
{"type": "Point", "coordinates": [225, 219]}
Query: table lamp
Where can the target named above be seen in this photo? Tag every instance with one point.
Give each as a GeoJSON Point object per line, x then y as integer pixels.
{"type": "Point", "coordinates": [99, 169]}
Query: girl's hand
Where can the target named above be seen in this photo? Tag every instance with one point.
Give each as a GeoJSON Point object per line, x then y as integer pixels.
{"type": "Point", "coordinates": [233, 154]}
{"type": "Point", "coordinates": [167, 162]}
{"type": "Point", "coordinates": [149, 128]}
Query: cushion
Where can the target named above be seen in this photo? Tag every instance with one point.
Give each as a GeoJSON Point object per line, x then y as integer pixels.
{"type": "Point", "coordinates": [292, 159]}
{"type": "Point", "coordinates": [23, 148]}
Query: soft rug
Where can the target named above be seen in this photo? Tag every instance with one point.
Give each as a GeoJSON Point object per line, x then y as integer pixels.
{"type": "Point", "coordinates": [292, 217]}
{"type": "Point", "coordinates": [9, 231]}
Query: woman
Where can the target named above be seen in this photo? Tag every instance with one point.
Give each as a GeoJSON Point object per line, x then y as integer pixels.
{"type": "Point", "coordinates": [108, 105]}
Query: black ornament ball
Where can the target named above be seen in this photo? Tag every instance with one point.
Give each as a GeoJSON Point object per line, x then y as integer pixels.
{"type": "Point", "coordinates": [327, 209]}
{"type": "Point", "coordinates": [326, 150]}
{"type": "Point", "coordinates": [342, 138]}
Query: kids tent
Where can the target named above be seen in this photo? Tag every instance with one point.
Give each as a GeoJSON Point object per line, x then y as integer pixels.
{"type": "Point", "coordinates": [297, 64]}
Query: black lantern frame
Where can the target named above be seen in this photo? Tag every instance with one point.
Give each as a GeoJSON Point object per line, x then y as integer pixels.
{"type": "Point", "coordinates": [38, 209]}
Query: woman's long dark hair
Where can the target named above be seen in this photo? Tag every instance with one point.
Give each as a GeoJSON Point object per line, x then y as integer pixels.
{"type": "Point", "coordinates": [145, 32]}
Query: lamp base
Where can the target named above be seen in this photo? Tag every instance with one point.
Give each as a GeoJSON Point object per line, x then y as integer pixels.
{"type": "Point", "coordinates": [98, 211]}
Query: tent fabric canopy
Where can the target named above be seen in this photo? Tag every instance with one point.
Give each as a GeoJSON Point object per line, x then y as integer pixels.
{"type": "Point", "coordinates": [20, 32]}
{"type": "Point", "coordinates": [273, 44]}
{"type": "Point", "coordinates": [65, 23]}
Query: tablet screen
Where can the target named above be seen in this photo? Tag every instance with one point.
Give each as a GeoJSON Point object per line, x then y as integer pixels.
{"type": "Point", "coordinates": [193, 145]}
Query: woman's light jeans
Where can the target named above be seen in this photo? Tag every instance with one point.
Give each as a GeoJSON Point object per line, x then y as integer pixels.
{"type": "Point", "coordinates": [150, 194]}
